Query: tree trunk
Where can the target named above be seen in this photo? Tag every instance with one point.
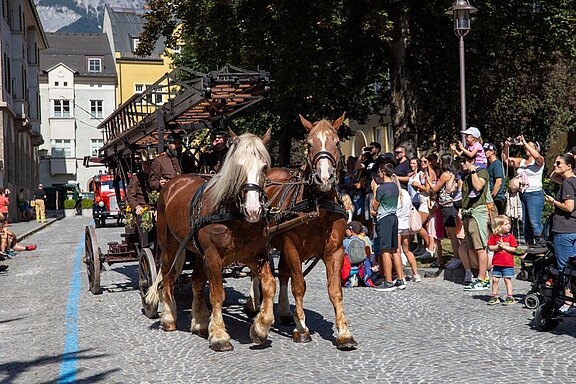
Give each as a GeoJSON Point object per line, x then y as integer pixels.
{"type": "Point", "coordinates": [402, 100]}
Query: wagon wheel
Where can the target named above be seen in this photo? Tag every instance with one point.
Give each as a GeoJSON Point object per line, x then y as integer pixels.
{"type": "Point", "coordinates": [92, 260]}
{"type": "Point", "coordinates": [146, 276]}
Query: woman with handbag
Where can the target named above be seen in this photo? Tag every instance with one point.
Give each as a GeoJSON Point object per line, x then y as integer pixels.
{"type": "Point", "coordinates": [407, 226]}
{"type": "Point", "coordinates": [529, 181]}
{"type": "Point", "coordinates": [447, 188]}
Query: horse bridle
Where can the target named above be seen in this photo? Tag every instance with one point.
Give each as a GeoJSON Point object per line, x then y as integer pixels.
{"type": "Point", "coordinates": [253, 187]}
{"type": "Point", "coordinates": [322, 155]}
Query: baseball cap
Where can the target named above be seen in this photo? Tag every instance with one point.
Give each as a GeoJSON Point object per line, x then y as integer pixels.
{"type": "Point", "coordinates": [355, 226]}
{"type": "Point", "coordinates": [489, 147]}
{"type": "Point", "coordinates": [472, 131]}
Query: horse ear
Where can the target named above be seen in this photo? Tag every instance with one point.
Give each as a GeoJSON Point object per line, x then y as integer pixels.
{"type": "Point", "coordinates": [338, 122]}
{"type": "Point", "coordinates": [308, 125]}
{"type": "Point", "coordinates": [231, 133]}
{"type": "Point", "coordinates": [267, 136]}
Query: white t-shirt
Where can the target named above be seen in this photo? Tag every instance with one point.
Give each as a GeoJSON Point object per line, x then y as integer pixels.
{"type": "Point", "coordinates": [403, 210]}
{"type": "Point", "coordinates": [533, 172]}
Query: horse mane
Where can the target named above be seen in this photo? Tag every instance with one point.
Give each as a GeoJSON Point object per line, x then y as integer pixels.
{"type": "Point", "coordinates": [243, 155]}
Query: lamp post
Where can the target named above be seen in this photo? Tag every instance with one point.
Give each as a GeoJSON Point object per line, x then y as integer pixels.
{"type": "Point", "coordinates": [461, 10]}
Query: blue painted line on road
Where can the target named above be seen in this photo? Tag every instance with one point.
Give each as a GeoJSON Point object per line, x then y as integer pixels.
{"type": "Point", "coordinates": [68, 365]}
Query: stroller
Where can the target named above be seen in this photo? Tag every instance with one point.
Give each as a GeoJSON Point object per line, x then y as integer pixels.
{"type": "Point", "coordinates": [548, 315]}
{"type": "Point", "coordinates": [539, 267]}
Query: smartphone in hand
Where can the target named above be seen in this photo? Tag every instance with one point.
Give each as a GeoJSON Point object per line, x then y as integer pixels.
{"type": "Point", "coordinates": [548, 192]}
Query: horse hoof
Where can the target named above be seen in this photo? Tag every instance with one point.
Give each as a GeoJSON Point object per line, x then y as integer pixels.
{"type": "Point", "coordinates": [301, 337]}
{"type": "Point", "coordinates": [255, 337]}
{"type": "Point", "coordinates": [221, 346]}
{"type": "Point", "coordinates": [249, 312]}
{"type": "Point", "coordinates": [201, 332]}
{"type": "Point", "coordinates": [346, 344]}
{"type": "Point", "coordinates": [286, 320]}
{"type": "Point", "coordinates": [169, 327]}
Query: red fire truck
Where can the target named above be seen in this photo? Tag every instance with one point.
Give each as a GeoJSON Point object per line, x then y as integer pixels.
{"type": "Point", "coordinates": [106, 204]}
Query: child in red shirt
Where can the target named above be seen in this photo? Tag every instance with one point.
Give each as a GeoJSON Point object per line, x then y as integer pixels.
{"type": "Point", "coordinates": [503, 244]}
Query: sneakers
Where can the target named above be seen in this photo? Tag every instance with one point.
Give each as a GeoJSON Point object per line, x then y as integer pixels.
{"type": "Point", "coordinates": [453, 263]}
{"type": "Point", "coordinates": [400, 284]}
{"type": "Point", "coordinates": [478, 285]}
{"type": "Point", "coordinates": [468, 276]}
{"type": "Point", "coordinates": [416, 278]}
{"type": "Point", "coordinates": [509, 300]}
{"type": "Point", "coordinates": [494, 300]}
{"type": "Point", "coordinates": [385, 287]}
{"type": "Point", "coordinates": [427, 255]}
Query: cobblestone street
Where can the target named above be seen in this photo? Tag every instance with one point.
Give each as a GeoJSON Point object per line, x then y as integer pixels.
{"type": "Point", "coordinates": [431, 332]}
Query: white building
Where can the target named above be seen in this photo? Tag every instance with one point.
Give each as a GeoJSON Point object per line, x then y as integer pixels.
{"type": "Point", "coordinates": [77, 92]}
{"type": "Point", "coordinates": [21, 39]}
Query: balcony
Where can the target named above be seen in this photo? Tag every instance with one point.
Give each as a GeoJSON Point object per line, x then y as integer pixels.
{"type": "Point", "coordinates": [20, 109]}
{"type": "Point", "coordinates": [62, 166]}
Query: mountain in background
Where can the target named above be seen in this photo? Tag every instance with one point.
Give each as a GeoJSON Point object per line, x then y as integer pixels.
{"type": "Point", "coordinates": [80, 16]}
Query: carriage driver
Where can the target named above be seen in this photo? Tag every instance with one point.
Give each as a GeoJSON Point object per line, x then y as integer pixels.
{"type": "Point", "coordinates": [211, 160]}
{"type": "Point", "coordinates": [138, 190]}
{"type": "Point", "coordinates": [166, 166]}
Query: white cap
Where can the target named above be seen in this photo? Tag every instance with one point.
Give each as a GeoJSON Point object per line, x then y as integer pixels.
{"type": "Point", "coordinates": [472, 131]}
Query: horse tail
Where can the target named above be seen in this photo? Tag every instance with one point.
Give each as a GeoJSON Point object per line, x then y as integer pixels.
{"type": "Point", "coordinates": [153, 295]}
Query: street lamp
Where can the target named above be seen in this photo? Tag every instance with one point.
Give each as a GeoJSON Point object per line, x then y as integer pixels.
{"type": "Point", "coordinates": [461, 10]}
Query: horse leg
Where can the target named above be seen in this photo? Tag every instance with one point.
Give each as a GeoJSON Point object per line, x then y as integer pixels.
{"type": "Point", "coordinates": [252, 305]}
{"type": "Point", "coordinates": [168, 318]}
{"type": "Point", "coordinates": [283, 302]}
{"type": "Point", "coordinates": [265, 318]}
{"type": "Point", "coordinates": [301, 334]}
{"type": "Point", "coordinates": [218, 338]}
{"type": "Point", "coordinates": [333, 263]}
{"type": "Point", "coordinates": [200, 313]}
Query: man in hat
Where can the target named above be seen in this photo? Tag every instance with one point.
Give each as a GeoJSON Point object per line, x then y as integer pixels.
{"type": "Point", "coordinates": [167, 165]}
{"type": "Point", "coordinates": [212, 159]}
{"type": "Point", "coordinates": [39, 199]}
{"type": "Point", "coordinates": [138, 190]}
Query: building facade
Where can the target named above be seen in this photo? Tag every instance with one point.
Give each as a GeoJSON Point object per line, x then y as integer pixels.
{"type": "Point", "coordinates": [77, 92]}
{"type": "Point", "coordinates": [122, 26]}
{"type": "Point", "coordinates": [21, 40]}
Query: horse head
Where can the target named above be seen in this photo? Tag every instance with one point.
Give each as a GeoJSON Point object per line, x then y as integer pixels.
{"type": "Point", "coordinates": [243, 175]}
{"type": "Point", "coordinates": [323, 151]}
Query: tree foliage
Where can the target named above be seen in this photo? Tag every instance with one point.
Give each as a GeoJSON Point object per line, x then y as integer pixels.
{"type": "Point", "coordinates": [325, 58]}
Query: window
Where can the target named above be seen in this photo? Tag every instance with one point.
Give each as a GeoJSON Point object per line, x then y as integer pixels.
{"type": "Point", "coordinates": [61, 108]}
{"type": "Point", "coordinates": [62, 148]}
{"type": "Point", "coordinates": [94, 64]}
{"type": "Point", "coordinates": [56, 83]}
{"type": "Point", "coordinates": [178, 49]}
{"type": "Point", "coordinates": [96, 108]}
{"type": "Point", "coordinates": [135, 42]}
{"type": "Point", "coordinates": [65, 83]}
{"type": "Point", "coordinates": [151, 98]}
{"type": "Point", "coordinates": [95, 145]}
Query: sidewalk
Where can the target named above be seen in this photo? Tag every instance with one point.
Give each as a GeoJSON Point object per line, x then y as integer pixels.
{"type": "Point", "coordinates": [24, 229]}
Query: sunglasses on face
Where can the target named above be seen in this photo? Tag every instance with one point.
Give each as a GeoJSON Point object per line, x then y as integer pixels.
{"type": "Point", "coordinates": [397, 152]}
{"type": "Point", "coordinates": [559, 163]}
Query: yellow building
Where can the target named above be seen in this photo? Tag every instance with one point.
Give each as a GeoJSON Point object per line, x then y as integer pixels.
{"type": "Point", "coordinates": [122, 27]}
{"type": "Point", "coordinates": [373, 130]}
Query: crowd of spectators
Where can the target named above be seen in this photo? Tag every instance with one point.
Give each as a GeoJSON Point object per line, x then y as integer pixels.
{"type": "Point", "coordinates": [464, 197]}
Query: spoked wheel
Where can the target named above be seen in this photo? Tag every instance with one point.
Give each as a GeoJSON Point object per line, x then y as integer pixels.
{"type": "Point", "coordinates": [146, 276]}
{"type": "Point", "coordinates": [532, 301]}
{"type": "Point", "coordinates": [92, 260]}
{"type": "Point", "coordinates": [543, 317]}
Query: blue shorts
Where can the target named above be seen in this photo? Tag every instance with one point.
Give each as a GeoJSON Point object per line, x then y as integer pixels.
{"type": "Point", "coordinates": [505, 272]}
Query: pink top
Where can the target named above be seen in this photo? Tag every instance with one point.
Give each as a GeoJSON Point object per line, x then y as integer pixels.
{"type": "Point", "coordinates": [480, 155]}
{"type": "Point", "coordinates": [3, 204]}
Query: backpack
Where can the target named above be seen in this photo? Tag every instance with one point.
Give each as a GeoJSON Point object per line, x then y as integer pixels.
{"type": "Point", "coordinates": [356, 251]}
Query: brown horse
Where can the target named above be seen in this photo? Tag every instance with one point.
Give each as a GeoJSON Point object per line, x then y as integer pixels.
{"type": "Point", "coordinates": [320, 237]}
{"type": "Point", "coordinates": [223, 226]}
